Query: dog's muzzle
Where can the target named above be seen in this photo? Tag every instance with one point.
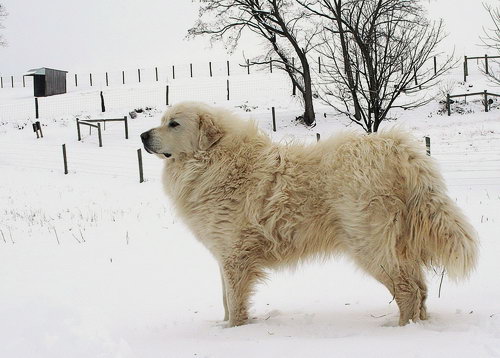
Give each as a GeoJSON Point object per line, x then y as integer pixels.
{"type": "Point", "coordinates": [145, 137]}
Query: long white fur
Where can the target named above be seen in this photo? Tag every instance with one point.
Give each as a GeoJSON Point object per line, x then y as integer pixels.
{"type": "Point", "coordinates": [258, 205]}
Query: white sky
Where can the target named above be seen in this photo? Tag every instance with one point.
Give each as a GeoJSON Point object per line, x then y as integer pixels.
{"type": "Point", "coordinates": [120, 34]}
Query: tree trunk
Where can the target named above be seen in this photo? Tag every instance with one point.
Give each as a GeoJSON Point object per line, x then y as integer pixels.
{"type": "Point", "coordinates": [309, 116]}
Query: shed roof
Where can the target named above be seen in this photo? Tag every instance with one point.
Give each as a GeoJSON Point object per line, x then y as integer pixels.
{"type": "Point", "coordinates": [40, 71]}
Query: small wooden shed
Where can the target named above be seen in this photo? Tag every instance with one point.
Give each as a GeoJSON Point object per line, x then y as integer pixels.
{"type": "Point", "coordinates": [47, 81]}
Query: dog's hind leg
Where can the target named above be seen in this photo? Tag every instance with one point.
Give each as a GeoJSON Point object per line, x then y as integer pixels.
{"type": "Point", "coordinates": [408, 288]}
{"type": "Point", "coordinates": [224, 296]}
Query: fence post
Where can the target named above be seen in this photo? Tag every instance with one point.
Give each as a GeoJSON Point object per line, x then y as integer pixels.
{"type": "Point", "coordinates": [39, 127]}
{"type": "Point", "coordinates": [1, 82]}
{"type": "Point", "coordinates": [99, 134]}
{"type": "Point", "coordinates": [123, 77]}
{"type": "Point", "coordinates": [173, 72]}
{"type": "Point", "coordinates": [428, 145]}
{"type": "Point", "coordinates": [415, 74]}
{"type": "Point", "coordinates": [24, 82]}
{"type": "Point", "coordinates": [65, 159]}
{"type": "Point", "coordinates": [227, 68]}
{"type": "Point", "coordinates": [78, 129]}
{"type": "Point", "coordinates": [319, 64]}
{"type": "Point", "coordinates": [126, 126]}
{"type": "Point", "coordinates": [435, 65]}
{"type": "Point", "coordinates": [139, 74]}
{"type": "Point", "coordinates": [76, 80]}
{"type": "Point", "coordinates": [191, 69]}
{"type": "Point", "coordinates": [103, 107]}
{"type": "Point", "coordinates": [107, 81]}
{"type": "Point", "coordinates": [141, 173]}
{"type": "Point", "coordinates": [271, 65]}
{"type": "Point", "coordinates": [448, 104]}
{"type": "Point", "coordinates": [486, 64]}
{"type": "Point", "coordinates": [210, 68]}
{"type": "Point", "coordinates": [91, 80]}
{"type": "Point", "coordinates": [156, 73]}
{"type": "Point", "coordinates": [294, 89]}
{"type": "Point", "coordinates": [274, 119]}
{"type": "Point", "coordinates": [36, 108]}
{"type": "Point", "coordinates": [227, 86]}
{"type": "Point", "coordinates": [485, 101]}
{"type": "Point", "coordinates": [166, 95]}
{"type": "Point", "coordinates": [466, 69]}
{"type": "Point", "coordinates": [12, 81]}
{"type": "Point", "coordinates": [248, 66]}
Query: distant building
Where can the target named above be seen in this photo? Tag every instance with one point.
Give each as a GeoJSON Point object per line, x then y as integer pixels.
{"type": "Point", "coordinates": [47, 81]}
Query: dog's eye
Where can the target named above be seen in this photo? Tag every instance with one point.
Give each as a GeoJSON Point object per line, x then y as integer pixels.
{"type": "Point", "coordinates": [173, 124]}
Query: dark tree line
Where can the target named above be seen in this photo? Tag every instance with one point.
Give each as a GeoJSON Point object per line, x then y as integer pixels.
{"type": "Point", "coordinates": [377, 54]}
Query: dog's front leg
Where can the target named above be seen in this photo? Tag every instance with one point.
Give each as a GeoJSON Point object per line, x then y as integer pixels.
{"type": "Point", "coordinates": [224, 296]}
{"type": "Point", "coordinates": [239, 276]}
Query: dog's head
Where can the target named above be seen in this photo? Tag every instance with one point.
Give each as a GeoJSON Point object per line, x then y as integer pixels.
{"type": "Point", "coordinates": [185, 129]}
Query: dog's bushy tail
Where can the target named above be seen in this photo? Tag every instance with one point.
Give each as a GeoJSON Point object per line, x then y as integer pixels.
{"type": "Point", "coordinates": [438, 229]}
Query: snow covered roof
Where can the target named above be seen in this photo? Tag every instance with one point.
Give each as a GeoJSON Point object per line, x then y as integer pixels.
{"type": "Point", "coordinates": [40, 71]}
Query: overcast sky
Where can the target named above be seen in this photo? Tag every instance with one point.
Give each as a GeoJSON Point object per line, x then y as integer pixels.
{"type": "Point", "coordinates": [116, 34]}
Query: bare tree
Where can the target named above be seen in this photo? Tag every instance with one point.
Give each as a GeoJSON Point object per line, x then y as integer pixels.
{"type": "Point", "coordinates": [377, 56]}
{"type": "Point", "coordinates": [283, 24]}
{"type": "Point", "coordinates": [491, 40]}
{"type": "Point", "coordinates": [3, 15]}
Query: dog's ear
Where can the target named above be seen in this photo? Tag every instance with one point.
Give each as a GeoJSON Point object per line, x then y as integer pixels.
{"type": "Point", "coordinates": [210, 133]}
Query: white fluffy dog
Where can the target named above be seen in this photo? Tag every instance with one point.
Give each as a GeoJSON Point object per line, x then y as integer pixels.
{"type": "Point", "coordinates": [257, 205]}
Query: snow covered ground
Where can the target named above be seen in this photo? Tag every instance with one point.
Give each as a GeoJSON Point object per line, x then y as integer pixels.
{"type": "Point", "coordinates": [96, 264]}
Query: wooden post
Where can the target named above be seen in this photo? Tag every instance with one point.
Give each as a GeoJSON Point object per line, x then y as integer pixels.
{"type": "Point", "coordinates": [1, 82]}
{"type": "Point", "coordinates": [91, 80]}
{"type": "Point", "coordinates": [126, 126]}
{"type": "Point", "coordinates": [36, 108]}
{"type": "Point", "coordinates": [428, 145]}
{"type": "Point", "coordinates": [141, 173]}
{"type": "Point", "coordinates": [293, 64]}
{"type": "Point", "coordinates": [166, 95]}
{"type": "Point", "coordinates": [12, 81]}
{"type": "Point", "coordinates": [318, 136]}
{"type": "Point", "coordinates": [99, 134]}
{"type": "Point", "coordinates": [103, 107]}
{"type": "Point", "coordinates": [139, 74]}
{"type": "Point", "coordinates": [435, 65]}
{"type": "Point", "coordinates": [248, 66]}
{"type": "Point", "coordinates": [76, 80]}
{"type": "Point", "coordinates": [227, 62]}
{"type": "Point", "coordinates": [156, 73]}
{"type": "Point", "coordinates": [123, 77]}
{"type": "Point", "coordinates": [466, 69]}
{"type": "Point", "coordinates": [35, 130]}
{"type": "Point", "coordinates": [294, 89]}
{"type": "Point", "coordinates": [274, 119]}
{"type": "Point", "coordinates": [415, 74]}
{"type": "Point", "coordinates": [271, 66]}
{"type": "Point", "coordinates": [210, 68]}
{"type": "Point", "coordinates": [78, 129]}
{"type": "Point", "coordinates": [448, 104]}
{"type": "Point", "coordinates": [319, 64]}
{"type": "Point", "coordinates": [65, 159]}
{"type": "Point", "coordinates": [39, 127]}
{"type": "Point", "coordinates": [486, 64]}
{"type": "Point", "coordinates": [191, 69]}
{"type": "Point", "coordinates": [173, 72]}
{"type": "Point", "coordinates": [227, 86]}
{"type": "Point", "coordinates": [485, 101]}
{"type": "Point", "coordinates": [107, 80]}
{"type": "Point", "coordinates": [24, 82]}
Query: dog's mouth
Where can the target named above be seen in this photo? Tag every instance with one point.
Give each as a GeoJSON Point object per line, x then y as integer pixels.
{"type": "Point", "coordinates": [150, 151]}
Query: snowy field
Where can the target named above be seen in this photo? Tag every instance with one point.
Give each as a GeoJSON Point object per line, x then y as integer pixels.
{"type": "Point", "coordinates": [96, 264]}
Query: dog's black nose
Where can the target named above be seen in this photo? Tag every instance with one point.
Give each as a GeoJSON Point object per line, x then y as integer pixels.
{"type": "Point", "coordinates": [145, 136]}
